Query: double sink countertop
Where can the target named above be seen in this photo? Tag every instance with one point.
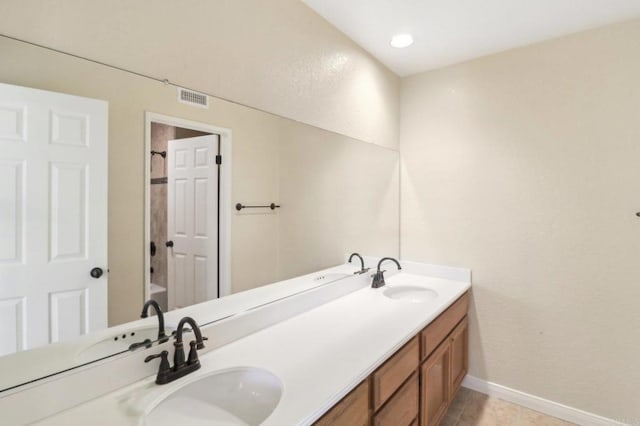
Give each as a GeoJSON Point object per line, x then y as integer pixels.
{"type": "Point", "coordinates": [319, 355]}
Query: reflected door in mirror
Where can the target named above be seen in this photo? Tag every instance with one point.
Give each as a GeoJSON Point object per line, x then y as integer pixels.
{"type": "Point", "coordinates": [53, 217]}
{"type": "Point", "coordinates": [192, 210]}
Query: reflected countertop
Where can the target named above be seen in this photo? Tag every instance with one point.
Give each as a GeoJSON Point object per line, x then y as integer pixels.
{"type": "Point", "coordinates": [23, 367]}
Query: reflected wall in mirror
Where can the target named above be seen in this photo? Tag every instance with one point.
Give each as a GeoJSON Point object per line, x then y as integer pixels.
{"type": "Point", "coordinates": [337, 195]}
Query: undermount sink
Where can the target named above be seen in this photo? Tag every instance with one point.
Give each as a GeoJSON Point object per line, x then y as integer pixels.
{"type": "Point", "coordinates": [410, 293]}
{"type": "Point", "coordinates": [242, 396]}
{"type": "Point", "coordinates": [118, 343]}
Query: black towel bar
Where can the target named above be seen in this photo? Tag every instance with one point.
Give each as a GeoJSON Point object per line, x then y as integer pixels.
{"type": "Point", "coordinates": [271, 206]}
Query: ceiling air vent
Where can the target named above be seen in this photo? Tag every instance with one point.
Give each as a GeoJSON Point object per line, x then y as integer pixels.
{"type": "Point", "coordinates": [193, 98]}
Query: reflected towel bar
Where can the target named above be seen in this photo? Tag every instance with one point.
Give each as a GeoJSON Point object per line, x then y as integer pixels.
{"type": "Point", "coordinates": [271, 206]}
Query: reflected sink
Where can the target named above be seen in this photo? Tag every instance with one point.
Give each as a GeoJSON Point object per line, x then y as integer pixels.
{"type": "Point", "coordinates": [118, 343]}
{"type": "Point", "coordinates": [242, 396]}
{"type": "Point", "coordinates": [410, 293]}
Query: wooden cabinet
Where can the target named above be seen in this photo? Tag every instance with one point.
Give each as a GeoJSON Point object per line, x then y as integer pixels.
{"type": "Point", "coordinates": [459, 342]}
{"type": "Point", "coordinates": [352, 410]}
{"type": "Point", "coordinates": [434, 375]}
{"type": "Point", "coordinates": [416, 384]}
{"type": "Point", "coordinates": [435, 333]}
{"type": "Point", "coordinates": [403, 408]}
{"type": "Point", "coordinates": [442, 374]}
{"type": "Point", "coordinates": [388, 378]}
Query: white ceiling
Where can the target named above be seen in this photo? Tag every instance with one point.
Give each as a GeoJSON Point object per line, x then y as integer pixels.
{"type": "Point", "coordinates": [451, 31]}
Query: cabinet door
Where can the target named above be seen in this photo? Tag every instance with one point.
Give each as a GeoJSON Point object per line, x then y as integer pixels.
{"type": "Point", "coordinates": [435, 374]}
{"type": "Point", "coordinates": [353, 410]}
{"type": "Point", "coordinates": [459, 342]}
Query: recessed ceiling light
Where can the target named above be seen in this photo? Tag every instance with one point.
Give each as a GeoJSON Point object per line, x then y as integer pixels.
{"type": "Point", "coordinates": [401, 40]}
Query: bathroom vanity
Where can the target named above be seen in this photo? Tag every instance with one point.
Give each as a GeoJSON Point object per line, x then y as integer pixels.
{"type": "Point", "coordinates": [417, 383]}
{"type": "Point", "coordinates": [342, 353]}
{"type": "Point", "coordinates": [302, 343]}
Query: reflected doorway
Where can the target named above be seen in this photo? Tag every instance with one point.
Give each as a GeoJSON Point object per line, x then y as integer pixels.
{"type": "Point", "coordinates": [184, 214]}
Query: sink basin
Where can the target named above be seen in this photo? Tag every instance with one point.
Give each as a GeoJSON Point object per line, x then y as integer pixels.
{"type": "Point", "coordinates": [118, 343]}
{"type": "Point", "coordinates": [410, 293]}
{"type": "Point", "coordinates": [242, 396]}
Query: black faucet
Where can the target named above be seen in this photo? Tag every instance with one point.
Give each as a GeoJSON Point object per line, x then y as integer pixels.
{"type": "Point", "coordinates": [166, 373]}
{"type": "Point", "coordinates": [378, 277]}
{"type": "Point", "coordinates": [162, 337]}
{"type": "Point", "coordinates": [362, 268]}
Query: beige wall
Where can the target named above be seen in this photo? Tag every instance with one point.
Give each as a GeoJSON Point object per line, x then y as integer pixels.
{"type": "Point", "coordinates": [525, 167]}
{"type": "Point", "coordinates": [276, 55]}
{"type": "Point", "coordinates": [260, 157]}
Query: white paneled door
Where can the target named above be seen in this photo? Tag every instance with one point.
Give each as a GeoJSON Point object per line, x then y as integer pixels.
{"type": "Point", "coordinates": [53, 217]}
{"type": "Point", "coordinates": [192, 197]}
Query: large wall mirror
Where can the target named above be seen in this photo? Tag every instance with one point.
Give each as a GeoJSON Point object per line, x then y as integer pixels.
{"type": "Point", "coordinates": [111, 193]}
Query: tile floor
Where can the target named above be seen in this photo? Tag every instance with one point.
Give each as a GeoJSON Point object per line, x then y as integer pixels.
{"type": "Point", "coordinates": [471, 408]}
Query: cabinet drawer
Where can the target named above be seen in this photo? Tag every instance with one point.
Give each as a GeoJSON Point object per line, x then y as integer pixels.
{"type": "Point", "coordinates": [352, 410]}
{"type": "Point", "coordinates": [402, 408]}
{"type": "Point", "coordinates": [395, 371]}
{"type": "Point", "coordinates": [436, 332]}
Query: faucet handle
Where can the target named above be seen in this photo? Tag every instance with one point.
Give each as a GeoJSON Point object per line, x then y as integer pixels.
{"type": "Point", "coordinates": [164, 355]}
{"type": "Point", "coordinates": [146, 343]}
{"type": "Point", "coordinates": [193, 353]}
{"type": "Point", "coordinates": [200, 345]}
{"type": "Point", "coordinates": [165, 367]}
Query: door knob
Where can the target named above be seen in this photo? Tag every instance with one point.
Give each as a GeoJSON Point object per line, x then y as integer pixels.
{"type": "Point", "coordinates": [169, 243]}
{"type": "Point", "coordinates": [96, 272]}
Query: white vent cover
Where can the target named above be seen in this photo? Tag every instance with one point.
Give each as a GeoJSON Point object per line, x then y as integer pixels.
{"type": "Point", "coordinates": [193, 98]}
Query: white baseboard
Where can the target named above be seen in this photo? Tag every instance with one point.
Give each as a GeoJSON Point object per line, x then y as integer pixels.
{"type": "Point", "coordinates": [541, 405]}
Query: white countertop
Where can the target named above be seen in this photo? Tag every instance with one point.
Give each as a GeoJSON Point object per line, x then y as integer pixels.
{"type": "Point", "coordinates": [319, 355]}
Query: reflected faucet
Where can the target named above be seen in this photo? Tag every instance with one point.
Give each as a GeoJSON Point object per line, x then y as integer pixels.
{"type": "Point", "coordinates": [362, 268]}
{"type": "Point", "coordinates": [162, 337]}
{"type": "Point", "coordinates": [166, 373]}
{"type": "Point", "coordinates": [378, 277]}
